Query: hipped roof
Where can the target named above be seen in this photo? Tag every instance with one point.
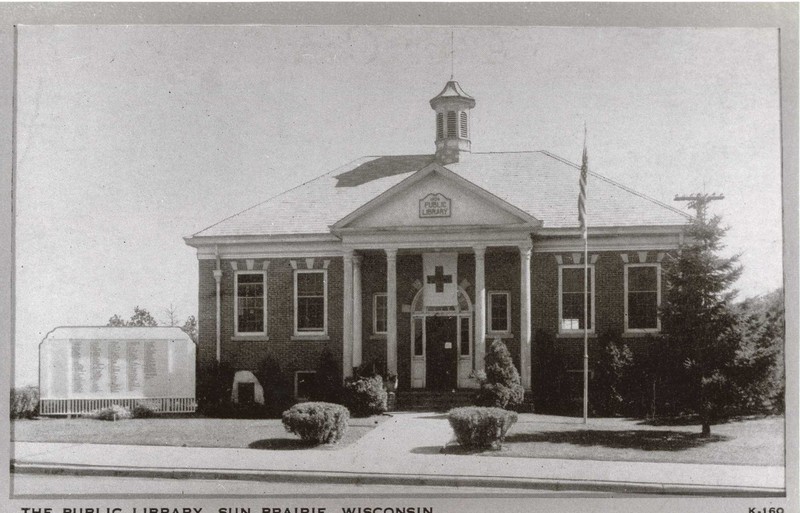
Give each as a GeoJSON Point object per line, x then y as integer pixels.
{"type": "Point", "coordinates": [537, 182]}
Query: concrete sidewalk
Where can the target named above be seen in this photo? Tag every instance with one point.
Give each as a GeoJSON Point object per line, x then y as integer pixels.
{"type": "Point", "coordinates": [402, 450]}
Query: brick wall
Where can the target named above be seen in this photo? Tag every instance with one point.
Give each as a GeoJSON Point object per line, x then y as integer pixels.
{"type": "Point", "coordinates": [609, 307]}
{"type": "Point", "coordinates": [502, 274]}
{"type": "Point", "coordinates": [609, 317]}
{"type": "Point", "coordinates": [293, 355]}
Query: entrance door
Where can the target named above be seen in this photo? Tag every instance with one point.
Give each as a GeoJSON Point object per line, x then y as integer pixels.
{"type": "Point", "coordinates": [441, 348]}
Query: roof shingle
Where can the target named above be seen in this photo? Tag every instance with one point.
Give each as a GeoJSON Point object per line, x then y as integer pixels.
{"type": "Point", "coordinates": [541, 184]}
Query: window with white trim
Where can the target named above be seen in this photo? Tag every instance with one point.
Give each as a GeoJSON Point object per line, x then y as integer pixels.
{"type": "Point", "coordinates": [250, 302]}
{"type": "Point", "coordinates": [311, 302]}
{"type": "Point", "coordinates": [379, 309]}
{"type": "Point", "coordinates": [571, 298]}
{"type": "Point", "coordinates": [499, 307]}
{"type": "Point", "coordinates": [642, 297]}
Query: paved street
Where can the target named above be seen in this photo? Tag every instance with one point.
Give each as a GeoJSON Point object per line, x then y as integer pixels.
{"type": "Point", "coordinates": [76, 486]}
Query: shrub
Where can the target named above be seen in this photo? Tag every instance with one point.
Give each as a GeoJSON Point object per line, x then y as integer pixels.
{"type": "Point", "coordinates": [214, 388]}
{"type": "Point", "coordinates": [321, 423]}
{"type": "Point", "coordinates": [370, 369]}
{"type": "Point", "coordinates": [614, 389]}
{"type": "Point", "coordinates": [24, 402]}
{"type": "Point", "coordinates": [365, 395]}
{"type": "Point", "coordinates": [277, 393]}
{"type": "Point", "coordinates": [480, 427]}
{"type": "Point", "coordinates": [113, 412]}
{"type": "Point", "coordinates": [328, 379]}
{"type": "Point", "coordinates": [500, 383]}
{"type": "Point", "coordinates": [548, 375]}
{"type": "Point", "coordinates": [144, 411]}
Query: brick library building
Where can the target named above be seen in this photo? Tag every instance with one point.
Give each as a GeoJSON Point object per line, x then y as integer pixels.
{"type": "Point", "coordinates": [416, 263]}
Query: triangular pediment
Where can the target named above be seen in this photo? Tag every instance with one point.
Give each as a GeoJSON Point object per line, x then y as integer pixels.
{"type": "Point", "coordinates": [435, 197]}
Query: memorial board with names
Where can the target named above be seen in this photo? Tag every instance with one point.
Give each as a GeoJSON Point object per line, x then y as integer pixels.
{"type": "Point", "coordinates": [125, 368]}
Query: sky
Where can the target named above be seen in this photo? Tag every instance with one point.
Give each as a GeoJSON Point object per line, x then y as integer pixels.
{"type": "Point", "coordinates": [130, 138]}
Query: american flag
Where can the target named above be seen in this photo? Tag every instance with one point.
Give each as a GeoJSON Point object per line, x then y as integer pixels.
{"type": "Point", "coordinates": [582, 195]}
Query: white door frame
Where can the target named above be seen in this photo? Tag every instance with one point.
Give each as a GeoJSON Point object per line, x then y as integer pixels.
{"type": "Point", "coordinates": [465, 363]}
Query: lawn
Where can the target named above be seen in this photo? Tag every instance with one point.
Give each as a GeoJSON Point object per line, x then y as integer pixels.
{"type": "Point", "coordinates": [757, 441]}
{"type": "Point", "coordinates": [186, 432]}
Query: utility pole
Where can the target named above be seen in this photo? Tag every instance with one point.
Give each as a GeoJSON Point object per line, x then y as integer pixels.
{"type": "Point", "coordinates": [698, 202]}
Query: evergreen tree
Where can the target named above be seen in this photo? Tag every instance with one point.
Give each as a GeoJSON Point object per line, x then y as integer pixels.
{"type": "Point", "coordinates": [699, 322]}
{"type": "Point", "coordinates": [500, 384]}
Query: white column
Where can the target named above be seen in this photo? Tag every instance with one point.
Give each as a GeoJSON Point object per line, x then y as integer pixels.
{"type": "Point", "coordinates": [480, 306]}
{"type": "Point", "coordinates": [391, 311]}
{"type": "Point", "coordinates": [525, 314]}
{"type": "Point", "coordinates": [347, 317]}
{"type": "Point", "coordinates": [357, 319]}
{"type": "Point", "coordinates": [218, 278]}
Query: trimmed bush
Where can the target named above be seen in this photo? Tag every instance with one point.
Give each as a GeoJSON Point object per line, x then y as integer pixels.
{"type": "Point", "coordinates": [24, 402]}
{"type": "Point", "coordinates": [320, 423]}
{"type": "Point", "coordinates": [114, 412]}
{"type": "Point", "coordinates": [500, 383]}
{"type": "Point", "coordinates": [481, 427]}
{"type": "Point", "coordinates": [365, 395]}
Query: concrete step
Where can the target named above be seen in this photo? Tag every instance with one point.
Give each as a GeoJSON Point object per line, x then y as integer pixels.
{"type": "Point", "coordinates": [433, 400]}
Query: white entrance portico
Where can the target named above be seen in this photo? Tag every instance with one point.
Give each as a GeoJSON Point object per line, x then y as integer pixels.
{"type": "Point", "coordinates": [435, 212]}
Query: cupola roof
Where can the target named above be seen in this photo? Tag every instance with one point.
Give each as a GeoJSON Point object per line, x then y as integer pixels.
{"type": "Point", "coordinates": [452, 90]}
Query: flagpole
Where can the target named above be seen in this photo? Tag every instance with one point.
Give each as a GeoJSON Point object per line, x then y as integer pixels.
{"type": "Point", "coordinates": [585, 230]}
{"type": "Point", "coordinates": [585, 326]}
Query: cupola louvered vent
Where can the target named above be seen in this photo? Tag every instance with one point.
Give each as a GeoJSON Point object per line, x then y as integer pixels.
{"type": "Point", "coordinates": [452, 129]}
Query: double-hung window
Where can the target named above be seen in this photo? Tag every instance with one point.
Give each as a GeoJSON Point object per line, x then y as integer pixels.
{"type": "Point", "coordinates": [571, 299]}
{"type": "Point", "coordinates": [642, 297]}
{"type": "Point", "coordinates": [311, 302]}
{"type": "Point", "coordinates": [379, 308]}
{"type": "Point", "coordinates": [499, 307]}
{"type": "Point", "coordinates": [250, 303]}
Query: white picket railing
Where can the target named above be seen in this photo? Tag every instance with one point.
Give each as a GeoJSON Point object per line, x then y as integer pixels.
{"type": "Point", "coordinates": [77, 406]}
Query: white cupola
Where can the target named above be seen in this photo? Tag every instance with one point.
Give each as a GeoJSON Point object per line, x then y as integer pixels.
{"type": "Point", "coordinates": [452, 108]}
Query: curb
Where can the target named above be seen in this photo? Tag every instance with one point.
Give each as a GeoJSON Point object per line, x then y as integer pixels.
{"type": "Point", "coordinates": [556, 485]}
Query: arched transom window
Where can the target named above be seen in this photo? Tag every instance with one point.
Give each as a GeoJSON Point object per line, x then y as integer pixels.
{"type": "Point", "coordinates": [464, 305]}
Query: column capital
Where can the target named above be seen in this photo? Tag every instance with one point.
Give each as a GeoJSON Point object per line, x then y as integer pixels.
{"type": "Point", "coordinates": [348, 253]}
{"type": "Point", "coordinates": [480, 250]}
{"type": "Point", "coordinates": [217, 274]}
{"type": "Point", "coordinates": [526, 247]}
{"type": "Point", "coordinates": [391, 253]}
{"type": "Point", "coordinates": [357, 260]}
